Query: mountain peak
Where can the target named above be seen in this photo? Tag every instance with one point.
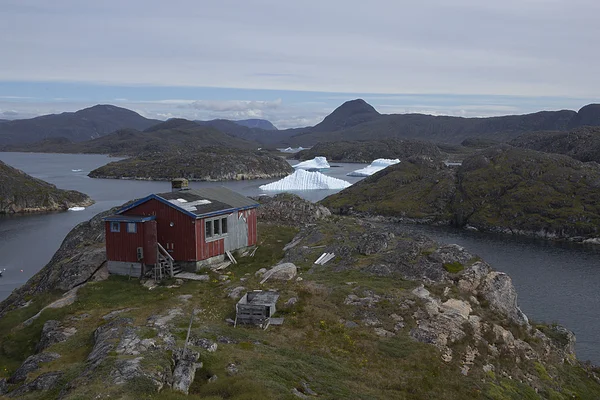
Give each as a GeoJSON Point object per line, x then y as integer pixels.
{"type": "Point", "coordinates": [587, 116]}
{"type": "Point", "coordinates": [351, 113]}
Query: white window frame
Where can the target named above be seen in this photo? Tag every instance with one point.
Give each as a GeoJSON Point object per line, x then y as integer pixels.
{"type": "Point", "coordinates": [114, 224]}
{"type": "Point", "coordinates": [131, 224]}
{"type": "Point", "coordinates": [213, 236]}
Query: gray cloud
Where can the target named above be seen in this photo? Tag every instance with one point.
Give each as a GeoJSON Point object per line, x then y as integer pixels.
{"type": "Point", "coordinates": [509, 47]}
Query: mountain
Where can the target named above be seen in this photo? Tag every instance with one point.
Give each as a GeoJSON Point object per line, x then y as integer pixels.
{"type": "Point", "coordinates": [582, 144]}
{"type": "Point", "coordinates": [349, 114]}
{"type": "Point", "coordinates": [174, 135]}
{"type": "Point", "coordinates": [500, 189]}
{"type": "Point", "coordinates": [266, 137]}
{"type": "Point", "coordinates": [587, 116]}
{"type": "Point", "coordinates": [86, 124]}
{"type": "Point", "coordinates": [257, 123]}
{"type": "Point", "coordinates": [21, 193]}
{"type": "Point", "coordinates": [369, 150]}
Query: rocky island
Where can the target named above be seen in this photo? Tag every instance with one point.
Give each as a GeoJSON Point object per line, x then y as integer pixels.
{"type": "Point", "coordinates": [393, 315]}
{"type": "Point", "coordinates": [22, 193]}
{"type": "Point", "coordinates": [500, 189]}
{"type": "Point", "coordinates": [209, 164]}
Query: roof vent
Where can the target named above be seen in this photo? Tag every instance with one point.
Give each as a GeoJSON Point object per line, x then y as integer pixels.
{"type": "Point", "coordinates": [179, 184]}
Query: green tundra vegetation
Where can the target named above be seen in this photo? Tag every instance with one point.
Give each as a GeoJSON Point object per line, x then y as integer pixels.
{"type": "Point", "coordinates": [501, 188]}
{"type": "Point", "coordinates": [316, 345]}
{"type": "Point", "coordinates": [20, 192]}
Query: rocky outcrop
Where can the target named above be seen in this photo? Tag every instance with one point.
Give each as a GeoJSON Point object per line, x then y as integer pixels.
{"type": "Point", "coordinates": [80, 258]}
{"type": "Point", "coordinates": [32, 363]}
{"type": "Point", "coordinates": [21, 193]}
{"type": "Point", "coordinates": [52, 333]}
{"type": "Point", "coordinates": [289, 209]}
{"type": "Point", "coordinates": [281, 272]}
{"type": "Point", "coordinates": [44, 382]}
{"type": "Point", "coordinates": [186, 364]}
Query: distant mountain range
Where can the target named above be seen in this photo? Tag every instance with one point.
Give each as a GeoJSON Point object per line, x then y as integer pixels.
{"type": "Point", "coordinates": [354, 120]}
{"type": "Point", "coordinates": [86, 124]}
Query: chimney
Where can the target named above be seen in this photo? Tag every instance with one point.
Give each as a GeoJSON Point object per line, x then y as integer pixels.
{"type": "Point", "coordinates": [178, 184]}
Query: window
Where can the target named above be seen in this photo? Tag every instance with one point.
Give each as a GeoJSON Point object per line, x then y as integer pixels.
{"type": "Point", "coordinates": [131, 227]}
{"type": "Point", "coordinates": [217, 227]}
{"type": "Point", "coordinates": [209, 229]}
{"type": "Point", "coordinates": [115, 227]}
{"type": "Point", "coordinates": [224, 226]}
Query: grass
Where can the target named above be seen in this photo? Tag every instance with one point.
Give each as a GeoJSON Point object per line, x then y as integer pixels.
{"type": "Point", "coordinates": [454, 267]}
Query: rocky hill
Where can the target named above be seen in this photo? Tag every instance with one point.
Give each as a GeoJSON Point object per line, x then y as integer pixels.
{"type": "Point", "coordinates": [367, 151]}
{"type": "Point", "coordinates": [393, 316]}
{"type": "Point", "coordinates": [209, 164]}
{"type": "Point", "coordinates": [257, 123]}
{"type": "Point", "coordinates": [85, 124]}
{"type": "Point", "coordinates": [500, 189]}
{"type": "Point", "coordinates": [583, 143]}
{"type": "Point", "coordinates": [173, 135]}
{"type": "Point", "coordinates": [21, 193]}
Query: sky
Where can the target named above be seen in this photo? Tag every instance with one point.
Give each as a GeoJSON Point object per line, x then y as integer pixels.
{"type": "Point", "coordinates": [293, 62]}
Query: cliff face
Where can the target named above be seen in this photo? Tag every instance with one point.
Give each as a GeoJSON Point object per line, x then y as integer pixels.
{"type": "Point", "coordinates": [209, 165]}
{"type": "Point", "coordinates": [501, 189]}
{"type": "Point", "coordinates": [20, 192]}
{"type": "Point", "coordinates": [392, 315]}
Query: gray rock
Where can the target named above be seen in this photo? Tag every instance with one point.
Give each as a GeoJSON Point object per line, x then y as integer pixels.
{"type": "Point", "coordinates": [105, 341]}
{"type": "Point", "coordinates": [299, 394]}
{"type": "Point", "coordinates": [32, 363]}
{"type": "Point", "coordinates": [232, 369]}
{"type": "Point", "coordinates": [226, 340]}
{"type": "Point", "coordinates": [43, 382]}
{"type": "Point", "coordinates": [292, 301]}
{"type": "Point", "coordinates": [206, 344]}
{"type": "Point", "coordinates": [114, 313]}
{"type": "Point", "coordinates": [373, 242]}
{"type": "Point", "coordinates": [260, 272]}
{"type": "Point", "coordinates": [179, 282]}
{"type": "Point", "coordinates": [290, 209]}
{"type": "Point", "coordinates": [52, 333]}
{"type": "Point", "coordinates": [126, 370]}
{"type": "Point", "coordinates": [185, 370]}
{"type": "Point", "coordinates": [351, 324]}
{"type": "Point", "coordinates": [184, 297]}
{"type": "Point", "coordinates": [3, 386]}
{"type": "Point", "coordinates": [307, 390]}
{"type": "Point", "coordinates": [498, 290]}
{"type": "Point", "coordinates": [132, 345]}
{"type": "Point", "coordinates": [236, 293]}
{"type": "Point", "coordinates": [213, 379]}
{"type": "Point", "coordinates": [282, 272]}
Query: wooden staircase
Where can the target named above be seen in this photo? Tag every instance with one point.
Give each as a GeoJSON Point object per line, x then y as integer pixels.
{"type": "Point", "coordinates": [164, 264]}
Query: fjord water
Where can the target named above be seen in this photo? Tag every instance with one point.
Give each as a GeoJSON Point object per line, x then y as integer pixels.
{"type": "Point", "coordinates": [556, 282]}
{"type": "Point", "coordinates": [27, 242]}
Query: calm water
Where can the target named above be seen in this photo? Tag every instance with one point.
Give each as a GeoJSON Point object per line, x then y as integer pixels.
{"type": "Point", "coordinates": [556, 282]}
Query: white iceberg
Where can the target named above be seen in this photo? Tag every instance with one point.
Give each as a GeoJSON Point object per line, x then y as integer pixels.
{"type": "Point", "coordinates": [76, 208]}
{"type": "Point", "coordinates": [305, 180]}
{"type": "Point", "coordinates": [291, 149]}
{"type": "Point", "coordinates": [76, 170]}
{"type": "Point", "coordinates": [315, 163]}
{"type": "Point", "coordinates": [375, 166]}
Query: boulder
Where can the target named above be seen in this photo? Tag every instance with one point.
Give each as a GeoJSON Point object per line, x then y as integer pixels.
{"type": "Point", "coordinates": [236, 293]}
{"type": "Point", "coordinates": [32, 363]}
{"type": "Point", "coordinates": [52, 333]}
{"type": "Point", "coordinates": [282, 272]}
{"type": "Point", "coordinates": [3, 386]}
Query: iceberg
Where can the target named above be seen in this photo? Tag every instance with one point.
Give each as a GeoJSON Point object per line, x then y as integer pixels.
{"type": "Point", "coordinates": [76, 208]}
{"type": "Point", "coordinates": [375, 166]}
{"type": "Point", "coordinates": [76, 170]}
{"type": "Point", "coordinates": [305, 180]}
{"type": "Point", "coordinates": [316, 163]}
{"type": "Point", "coordinates": [291, 149]}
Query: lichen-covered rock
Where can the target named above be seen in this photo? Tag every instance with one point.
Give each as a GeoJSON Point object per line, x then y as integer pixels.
{"type": "Point", "coordinates": [498, 290]}
{"type": "Point", "coordinates": [186, 364]}
{"type": "Point", "coordinates": [289, 209]}
{"type": "Point", "coordinates": [43, 382]}
{"type": "Point", "coordinates": [106, 338]}
{"type": "Point", "coordinates": [52, 333]}
{"type": "Point", "coordinates": [281, 272]}
{"type": "Point", "coordinates": [32, 363]}
{"type": "Point", "coordinates": [374, 242]}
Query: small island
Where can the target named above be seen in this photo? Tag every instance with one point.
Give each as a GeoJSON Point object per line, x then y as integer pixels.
{"type": "Point", "coordinates": [22, 193]}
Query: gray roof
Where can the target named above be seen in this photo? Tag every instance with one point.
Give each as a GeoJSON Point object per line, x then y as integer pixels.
{"type": "Point", "coordinates": [208, 200]}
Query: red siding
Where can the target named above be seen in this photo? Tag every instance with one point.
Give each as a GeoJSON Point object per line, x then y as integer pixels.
{"type": "Point", "coordinates": [210, 249]}
{"type": "Point", "coordinates": [178, 239]}
{"type": "Point", "coordinates": [252, 233]}
{"type": "Point", "coordinates": [122, 246]}
{"type": "Point", "coordinates": [150, 242]}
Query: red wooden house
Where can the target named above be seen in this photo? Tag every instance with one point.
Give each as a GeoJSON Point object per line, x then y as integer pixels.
{"type": "Point", "coordinates": [191, 227]}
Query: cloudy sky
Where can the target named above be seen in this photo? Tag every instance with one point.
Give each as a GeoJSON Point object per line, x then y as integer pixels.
{"type": "Point", "coordinates": [293, 62]}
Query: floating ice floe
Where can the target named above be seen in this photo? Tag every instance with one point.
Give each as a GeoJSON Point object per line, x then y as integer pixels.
{"type": "Point", "coordinates": [76, 208]}
{"type": "Point", "coordinates": [76, 170]}
{"type": "Point", "coordinates": [305, 180]}
{"type": "Point", "coordinates": [375, 166]}
{"type": "Point", "coordinates": [315, 164]}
